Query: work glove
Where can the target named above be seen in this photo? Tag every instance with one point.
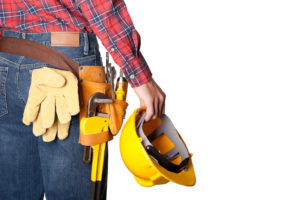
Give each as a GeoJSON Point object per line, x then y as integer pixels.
{"type": "Point", "coordinates": [49, 134]}
{"type": "Point", "coordinates": [52, 100]}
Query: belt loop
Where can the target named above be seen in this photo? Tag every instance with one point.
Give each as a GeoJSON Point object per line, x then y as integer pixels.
{"type": "Point", "coordinates": [23, 35]}
{"type": "Point", "coordinates": [86, 44]}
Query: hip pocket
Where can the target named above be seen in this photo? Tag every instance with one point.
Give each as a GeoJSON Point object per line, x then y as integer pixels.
{"type": "Point", "coordinates": [24, 80]}
{"type": "Point", "coordinates": [3, 103]}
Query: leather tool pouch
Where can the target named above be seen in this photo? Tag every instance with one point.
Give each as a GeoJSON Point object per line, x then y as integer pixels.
{"type": "Point", "coordinates": [92, 79]}
{"type": "Point", "coordinates": [117, 114]}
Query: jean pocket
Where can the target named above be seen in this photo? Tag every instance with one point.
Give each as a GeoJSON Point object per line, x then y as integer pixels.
{"type": "Point", "coordinates": [3, 103]}
{"type": "Point", "coordinates": [86, 60]}
{"type": "Point", "coordinates": [24, 80]}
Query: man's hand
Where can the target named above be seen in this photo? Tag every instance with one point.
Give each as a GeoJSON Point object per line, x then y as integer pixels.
{"type": "Point", "coordinates": [152, 97]}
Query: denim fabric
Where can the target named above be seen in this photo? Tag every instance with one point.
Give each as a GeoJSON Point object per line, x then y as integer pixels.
{"type": "Point", "coordinates": [30, 167]}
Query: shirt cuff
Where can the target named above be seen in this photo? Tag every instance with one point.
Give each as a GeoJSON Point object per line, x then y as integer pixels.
{"type": "Point", "coordinates": [136, 70]}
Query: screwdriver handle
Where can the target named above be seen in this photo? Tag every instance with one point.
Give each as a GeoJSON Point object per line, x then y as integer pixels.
{"type": "Point", "coordinates": [121, 89]}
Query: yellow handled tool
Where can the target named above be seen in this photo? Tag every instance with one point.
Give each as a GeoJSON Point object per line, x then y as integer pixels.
{"type": "Point", "coordinates": [96, 123]}
{"type": "Point", "coordinates": [121, 87]}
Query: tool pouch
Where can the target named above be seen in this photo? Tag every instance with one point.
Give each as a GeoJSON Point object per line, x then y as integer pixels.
{"type": "Point", "coordinates": [92, 79]}
{"type": "Point", "coordinates": [117, 114]}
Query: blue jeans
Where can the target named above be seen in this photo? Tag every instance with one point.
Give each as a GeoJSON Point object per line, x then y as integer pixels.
{"type": "Point", "coordinates": [30, 167]}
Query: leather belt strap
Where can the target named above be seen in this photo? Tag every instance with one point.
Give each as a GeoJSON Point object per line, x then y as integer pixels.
{"type": "Point", "coordinates": [95, 139]}
{"type": "Point", "coordinates": [37, 51]}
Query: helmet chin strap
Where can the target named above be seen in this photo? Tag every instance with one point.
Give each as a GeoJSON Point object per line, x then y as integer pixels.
{"type": "Point", "coordinates": [179, 149]}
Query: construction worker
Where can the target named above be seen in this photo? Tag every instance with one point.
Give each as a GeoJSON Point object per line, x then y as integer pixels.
{"type": "Point", "coordinates": [30, 166]}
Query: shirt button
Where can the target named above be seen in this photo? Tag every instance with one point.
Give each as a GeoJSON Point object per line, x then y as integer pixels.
{"type": "Point", "coordinates": [131, 76]}
{"type": "Point", "coordinates": [112, 50]}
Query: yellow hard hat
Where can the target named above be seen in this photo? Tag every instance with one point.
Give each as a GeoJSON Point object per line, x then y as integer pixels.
{"type": "Point", "coordinates": [154, 151]}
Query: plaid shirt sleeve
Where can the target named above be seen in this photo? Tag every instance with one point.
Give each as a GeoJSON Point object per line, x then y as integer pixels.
{"type": "Point", "coordinates": [111, 22]}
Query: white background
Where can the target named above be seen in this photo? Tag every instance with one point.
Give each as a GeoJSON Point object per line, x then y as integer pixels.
{"type": "Point", "coordinates": [230, 70]}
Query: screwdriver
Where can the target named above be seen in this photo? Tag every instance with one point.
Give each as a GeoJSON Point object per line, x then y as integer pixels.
{"type": "Point", "coordinates": [121, 87]}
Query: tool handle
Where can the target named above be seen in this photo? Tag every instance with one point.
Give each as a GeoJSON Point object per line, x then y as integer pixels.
{"type": "Point", "coordinates": [124, 87]}
{"type": "Point", "coordinates": [87, 154]}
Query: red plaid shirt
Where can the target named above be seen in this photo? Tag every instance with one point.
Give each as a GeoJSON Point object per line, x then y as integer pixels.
{"type": "Point", "coordinates": [108, 19]}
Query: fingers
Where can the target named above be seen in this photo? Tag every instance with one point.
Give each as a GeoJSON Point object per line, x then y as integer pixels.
{"type": "Point", "coordinates": [62, 109]}
{"type": "Point", "coordinates": [29, 115]}
{"type": "Point", "coordinates": [159, 106]}
{"type": "Point", "coordinates": [48, 111]}
{"type": "Point", "coordinates": [152, 97]}
{"type": "Point", "coordinates": [71, 95]}
{"type": "Point", "coordinates": [156, 109]}
{"type": "Point", "coordinates": [63, 130]}
{"type": "Point", "coordinates": [162, 104]}
{"type": "Point", "coordinates": [50, 134]}
{"type": "Point", "coordinates": [149, 112]}
{"type": "Point", "coordinates": [150, 109]}
{"type": "Point", "coordinates": [72, 100]}
{"type": "Point", "coordinates": [37, 127]}
{"type": "Point", "coordinates": [163, 107]}
{"type": "Point", "coordinates": [35, 98]}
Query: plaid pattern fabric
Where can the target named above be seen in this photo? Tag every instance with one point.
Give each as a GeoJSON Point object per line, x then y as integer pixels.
{"type": "Point", "coordinates": [108, 19]}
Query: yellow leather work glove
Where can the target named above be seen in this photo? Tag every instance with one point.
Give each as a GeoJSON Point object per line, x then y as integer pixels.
{"type": "Point", "coordinates": [52, 93]}
{"type": "Point", "coordinates": [59, 129]}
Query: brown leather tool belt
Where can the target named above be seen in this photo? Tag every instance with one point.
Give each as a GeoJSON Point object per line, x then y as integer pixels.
{"type": "Point", "coordinates": [88, 83]}
{"type": "Point", "coordinates": [37, 51]}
